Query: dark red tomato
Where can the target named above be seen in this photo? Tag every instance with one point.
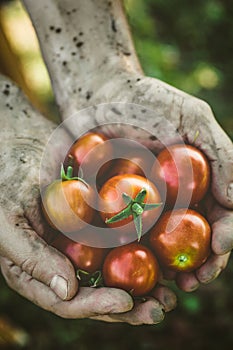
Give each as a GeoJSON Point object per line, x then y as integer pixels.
{"type": "Point", "coordinates": [131, 267]}
{"type": "Point", "coordinates": [83, 257]}
{"type": "Point", "coordinates": [181, 240]}
{"type": "Point", "coordinates": [67, 205]}
{"type": "Point", "coordinates": [111, 200]}
{"type": "Point", "coordinates": [186, 173]}
{"type": "Point", "coordinates": [89, 152]}
{"type": "Point", "coordinates": [136, 161]}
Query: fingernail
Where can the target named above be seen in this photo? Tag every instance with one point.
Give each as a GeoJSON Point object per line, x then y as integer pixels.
{"type": "Point", "coordinates": [208, 278]}
{"type": "Point", "coordinates": [230, 191]}
{"type": "Point", "coordinates": [59, 286]}
{"type": "Point", "coordinates": [157, 315]}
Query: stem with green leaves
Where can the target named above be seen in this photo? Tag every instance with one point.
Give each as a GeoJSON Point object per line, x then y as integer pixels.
{"type": "Point", "coordinates": [67, 176]}
{"type": "Point", "coordinates": [136, 208]}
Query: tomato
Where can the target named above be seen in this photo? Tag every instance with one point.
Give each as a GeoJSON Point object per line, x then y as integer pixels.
{"type": "Point", "coordinates": [118, 196]}
{"type": "Point", "coordinates": [181, 240]}
{"type": "Point", "coordinates": [186, 173]}
{"type": "Point", "coordinates": [67, 205]}
{"type": "Point", "coordinates": [131, 267]}
{"type": "Point", "coordinates": [136, 161]}
{"type": "Point", "coordinates": [89, 152]}
{"type": "Point", "coordinates": [83, 257]}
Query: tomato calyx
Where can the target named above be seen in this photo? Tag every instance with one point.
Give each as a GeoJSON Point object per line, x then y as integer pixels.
{"type": "Point", "coordinates": [90, 279]}
{"type": "Point", "coordinates": [68, 175]}
{"type": "Point", "coordinates": [139, 298]}
{"type": "Point", "coordinates": [182, 260]}
{"type": "Point", "coordinates": [135, 207]}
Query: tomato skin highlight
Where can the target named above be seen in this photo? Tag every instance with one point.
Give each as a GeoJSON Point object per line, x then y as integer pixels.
{"type": "Point", "coordinates": [127, 166]}
{"type": "Point", "coordinates": [111, 201]}
{"type": "Point", "coordinates": [137, 161]}
{"type": "Point", "coordinates": [186, 173]}
{"type": "Point", "coordinates": [89, 152]}
{"type": "Point", "coordinates": [131, 267]}
{"type": "Point", "coordinates": [181, 240]}
{"type": "Point", "coordinates": [66, 205]}
{"type": "Point", "coordinates": [83, 257]}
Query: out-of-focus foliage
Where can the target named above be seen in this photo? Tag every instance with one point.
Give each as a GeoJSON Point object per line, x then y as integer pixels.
{"type": "Point", "coordinates": [202, 320]}
{"type": "Point", "coordinates": [188, 44]}
{"type": "Point", "coordinates": [20, 57]}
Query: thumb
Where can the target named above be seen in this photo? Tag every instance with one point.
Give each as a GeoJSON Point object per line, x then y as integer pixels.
{"type": "Point", "coordinates": [218, 147]}
{"type": "Point", "coordinates": [222, 168]}
{"type": "Point", "coordinates": [33, 255]}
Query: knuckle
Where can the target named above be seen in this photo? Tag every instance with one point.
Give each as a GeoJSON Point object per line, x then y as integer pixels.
{"type": "Point", "coordinates": [11, 272]}
{"type": "Point", "coordinates": [29, 265]}
{"type": "Point", "coordinates": [205, 108]}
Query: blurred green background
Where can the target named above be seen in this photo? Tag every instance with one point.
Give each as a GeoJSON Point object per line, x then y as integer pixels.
{"type": "Point", "coordinates": [189, 45]}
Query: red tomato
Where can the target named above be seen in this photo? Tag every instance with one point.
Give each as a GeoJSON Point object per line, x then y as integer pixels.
{"type": "Point", "coordinates": [181, 240]}
{"type": "Point", "coordinates": [89, 152]}
{"type": "Point", "coordinates": [111, 200]}
{"type": "Point", "coordinates": [131, 267]}
{"type": "Point", "coordinates": [136, 161]}
{"type": "Point", "coordinates": [67, 205]}
{"type": "Point", "coordinates": [186, 173]}
{"type": "Point", "coordinates": [83, 257]}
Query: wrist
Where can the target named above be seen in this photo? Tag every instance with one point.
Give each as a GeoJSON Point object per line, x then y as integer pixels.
{"type": "Point", "coordinates": [83, 45]}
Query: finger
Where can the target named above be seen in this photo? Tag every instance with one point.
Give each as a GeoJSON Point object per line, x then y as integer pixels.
{"type": "Point", "coordinates": [26, 249]}
{"type": "Point", "coordinates": [168, 275]}
{"type": "Point", "coordinates": [146, 312]}
{"type": "Point", "coordinates": [187, 281]}
{"type": "Point", "coordinates": [88, 302]}
{"type": "Point", "coordinates": [166, 297]}
{"type": "Point", "coordinates": [212, 268]}
{"type": "Point", "coordinates": [218, 147]}
{"type": "Point", "coordinates": [140, 123]}
{"type": "Point", "coordinates": [221, 221]}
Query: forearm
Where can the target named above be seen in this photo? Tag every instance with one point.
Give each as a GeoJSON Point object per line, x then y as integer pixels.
{"type": "Point", "coordinates": [84, 44]}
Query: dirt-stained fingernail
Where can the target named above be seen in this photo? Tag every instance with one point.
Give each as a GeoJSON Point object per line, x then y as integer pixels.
{"type": "Point", "coordinates": [209, 277]}
{"type": "Point", "coordinates": [166, 297]}
{"type": "Point", "coordinates": [157, 314]}
{"type": "Point", "coordinates": [59, 286]}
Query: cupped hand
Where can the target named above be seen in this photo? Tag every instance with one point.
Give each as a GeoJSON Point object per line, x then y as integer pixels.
{"type": "Point", "coordinates": [113, 74]}
{"type": "Point", "coordinates": [160, 115]}
{"type": "Point", "coordinates": [29, 264]}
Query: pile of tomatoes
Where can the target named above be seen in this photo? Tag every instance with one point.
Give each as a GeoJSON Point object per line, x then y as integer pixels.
{"type": "Point", "coordinates": [146, 207]}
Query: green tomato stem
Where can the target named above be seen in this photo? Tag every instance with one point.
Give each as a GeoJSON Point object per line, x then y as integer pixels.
{"type": "Point", "coordinates": [69, 171]}
{"type": "Point", "coordinates": [124, 214]}
{"type": "Point", "coordinates": [67, 176]}
{"type": "Point", "coordinates": [135, 207]}
{"type": "Point", "coordinates": [88, 279]}
{"type": "Point", "coordinates": [126, 198]}
{"type": "Point", "coordinates": [141, 196]}
{"type": "Point", "coordinates": [138, 225]}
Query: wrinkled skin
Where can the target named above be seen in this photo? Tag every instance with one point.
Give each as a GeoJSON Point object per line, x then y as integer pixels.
{"type": "Point", "coordinates": [187, 115]}
{"type": "Point", "coordinates": [22, 231]}
{"type": "Point", "coordinates": [27, 272]}
{"type": "Point", "coordinates": [29, 264]}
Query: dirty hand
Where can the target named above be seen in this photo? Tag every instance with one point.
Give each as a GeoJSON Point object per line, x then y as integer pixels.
{"type": "Point", "coordinates": [29, 264]}
{"type": "Point", "coordinates": [158, 115]}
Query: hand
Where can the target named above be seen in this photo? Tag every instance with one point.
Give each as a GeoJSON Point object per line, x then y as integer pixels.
{"type": "Point", "coordinates": [30, 266]}
{"type": "Point", "coordinates": [172, 114]}
{"type": "Point", "coordinates": [113, 73]}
